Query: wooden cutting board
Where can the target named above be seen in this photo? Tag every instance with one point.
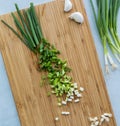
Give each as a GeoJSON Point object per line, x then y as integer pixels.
{"type": "Point", "coordinates": [75, 42]}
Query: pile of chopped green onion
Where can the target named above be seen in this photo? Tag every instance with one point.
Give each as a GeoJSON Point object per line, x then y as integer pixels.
{"type": "Point", "coordinates": [30, 33]}
{"type": "Point", "coordinates": [106, 21]}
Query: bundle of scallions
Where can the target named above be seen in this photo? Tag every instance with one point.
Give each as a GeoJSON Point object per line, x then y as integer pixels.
{"type": "Point", "coordinates": [106, 20]}
{"type": "Point", "coordinates": [30, 33]}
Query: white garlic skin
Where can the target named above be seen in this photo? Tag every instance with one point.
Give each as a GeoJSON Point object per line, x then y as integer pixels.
{"type": "Point", "coordinates": [68, 5]}
{"type": "Point", "coordinates": [77, 17]}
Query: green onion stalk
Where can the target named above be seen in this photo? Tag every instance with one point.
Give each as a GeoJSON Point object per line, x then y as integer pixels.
{"type": "Point", "coordinates": [113, 13]}
{"type": "Point", "coordinates": [107, 27]}
{"type": "Point", "coordinates": [30, 33]}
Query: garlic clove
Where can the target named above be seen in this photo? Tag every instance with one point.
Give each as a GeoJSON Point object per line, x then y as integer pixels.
{"type": "Point", "coordinates": [77, 17]}
{"type": "Point", "coordinates": [68, 5]}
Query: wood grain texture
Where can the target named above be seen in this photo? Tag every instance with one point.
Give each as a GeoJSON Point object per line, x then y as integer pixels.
{"type": "Point", "coordinates": [76, 45]}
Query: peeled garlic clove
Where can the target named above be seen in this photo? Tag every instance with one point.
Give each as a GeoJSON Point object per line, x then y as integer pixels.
{"type": "Point", "coordinates": [68, 5]}
{"type": "Point", "coordinates": [77, 17]}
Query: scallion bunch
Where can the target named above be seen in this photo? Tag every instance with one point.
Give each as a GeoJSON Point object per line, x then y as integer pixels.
{"type": "Point", "coordinates": [106, 21]}
{"type": "Point", "coordinates": [30, 33]}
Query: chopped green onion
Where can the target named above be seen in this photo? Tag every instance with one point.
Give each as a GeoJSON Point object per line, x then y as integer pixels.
{"type": "Point", "coordinates": [30, 33]}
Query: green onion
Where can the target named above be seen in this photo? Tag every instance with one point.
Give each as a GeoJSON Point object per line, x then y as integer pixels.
{"type": "Point", "coordinates": [30, 33]}
{"type": "Point", "coordinates": [106, 21]}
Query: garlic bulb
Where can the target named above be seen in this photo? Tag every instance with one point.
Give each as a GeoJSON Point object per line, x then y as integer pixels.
{"type": "Point", "coordinates": [77, 17]}
{"type": "Point", "coordinates": [68, 5]}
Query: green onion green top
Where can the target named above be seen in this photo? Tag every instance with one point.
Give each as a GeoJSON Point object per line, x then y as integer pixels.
{"type": "Point", "coordinates": [106, 20]}
{"type": "Point", "coordinates": [31, 35]}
